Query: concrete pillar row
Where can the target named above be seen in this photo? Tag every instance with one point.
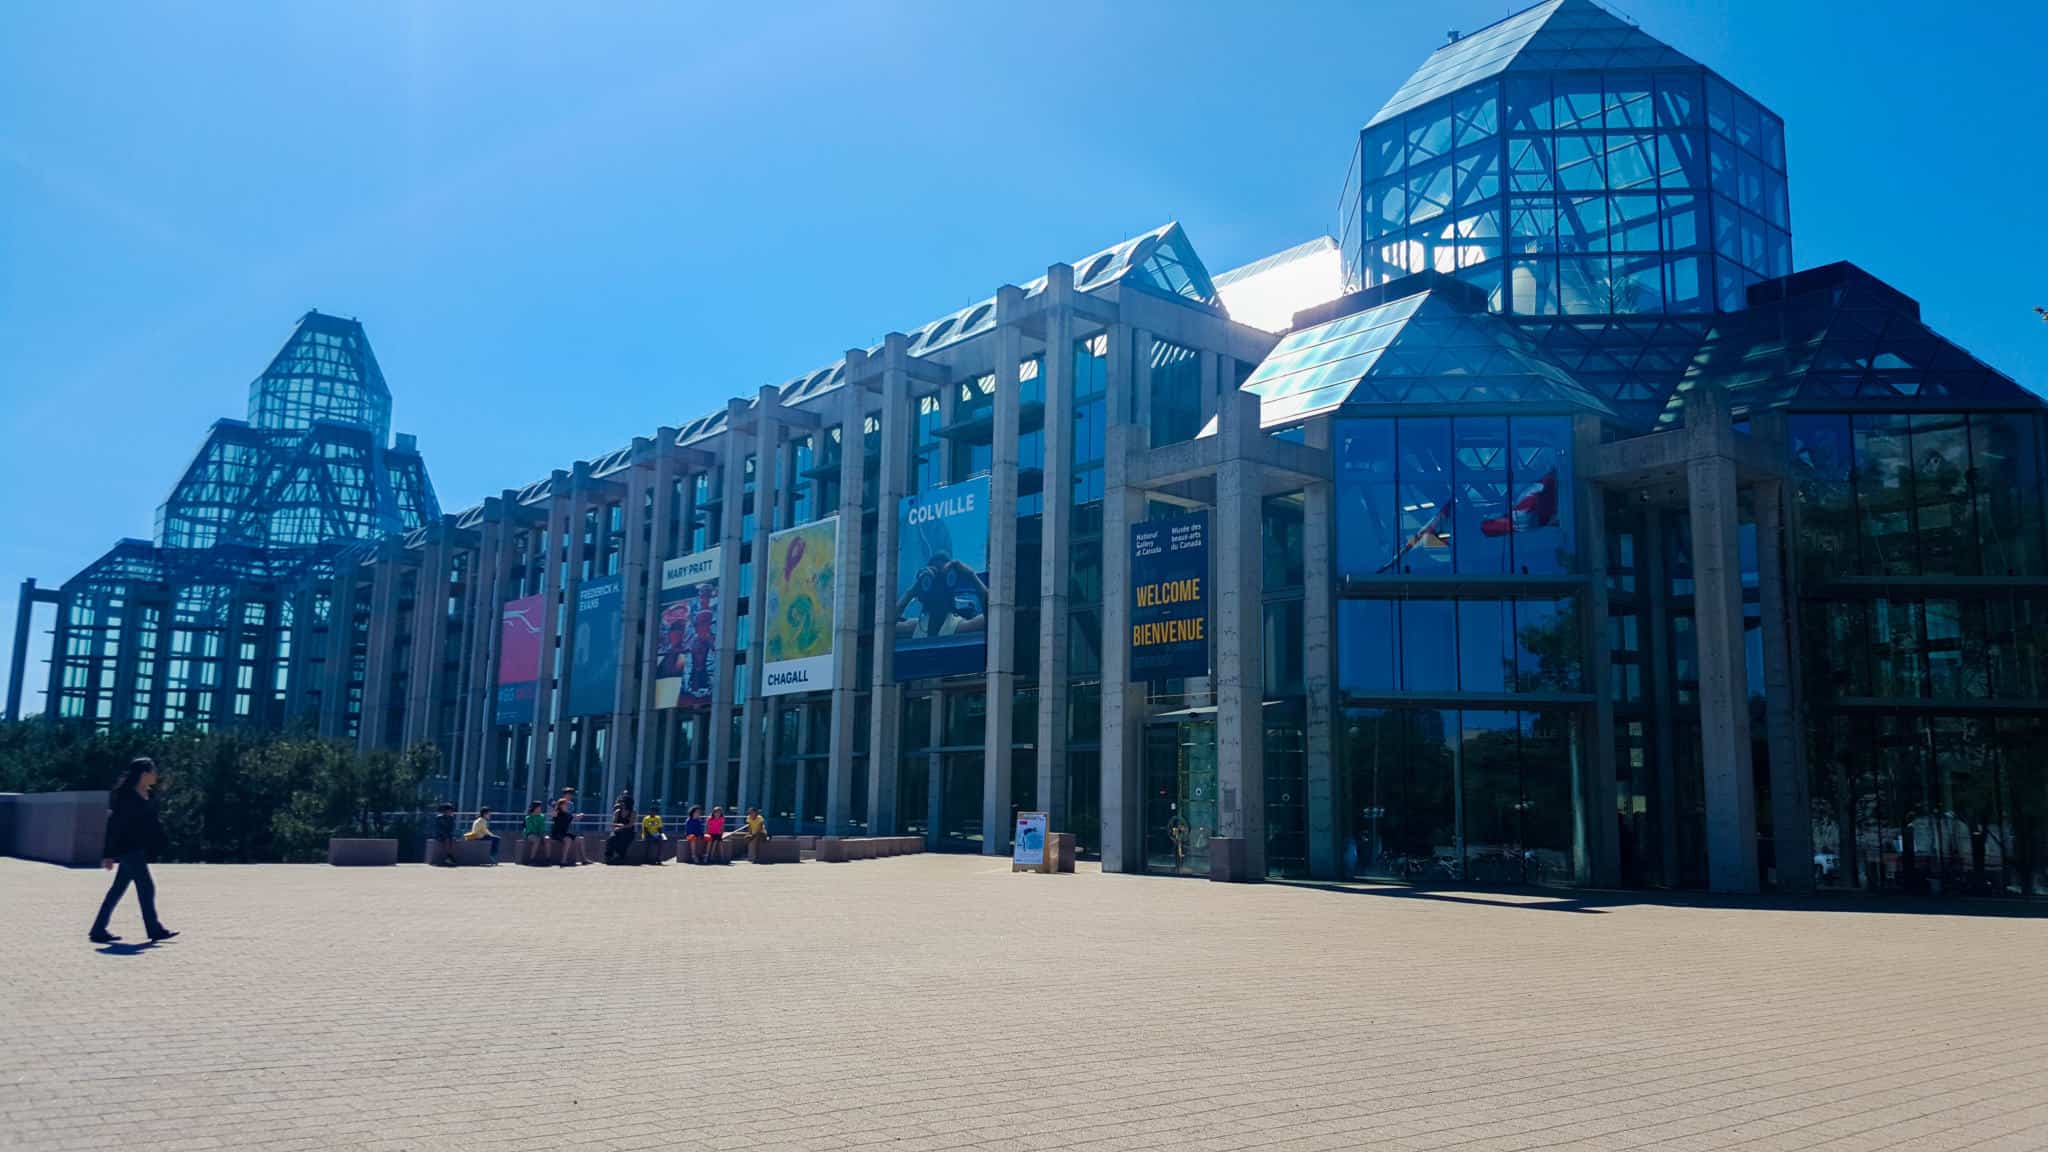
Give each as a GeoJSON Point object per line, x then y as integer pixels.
{"type": "Point", "coordinates": [381, 642]}
{"type": "Point", "coordinates": [999, 727]}
{"type": "Point", "coordinates": [636, 684]}
{"type": "Point", "coordinates": [1724, 695]}
{"type": "Point", "coordinates": [885, 707]}
{"type": "Point", "coordinates": [1055, 563]}
{"type": "Point", "coordinates": [639, 583]}
{"type": "Point", "coordinates": [846, 597]}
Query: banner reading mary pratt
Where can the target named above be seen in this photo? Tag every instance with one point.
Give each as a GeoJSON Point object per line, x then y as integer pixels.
{"type": "Point", "coordinates": [802, 565]}
{"type": "Point", "coordinates": [686, 635]}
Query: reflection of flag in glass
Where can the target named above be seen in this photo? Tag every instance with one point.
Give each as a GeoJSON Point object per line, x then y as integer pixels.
{"type": "Point", "coordinates": [1535, 507]}
{"type": "Point", "coordinates": [1430, 535]}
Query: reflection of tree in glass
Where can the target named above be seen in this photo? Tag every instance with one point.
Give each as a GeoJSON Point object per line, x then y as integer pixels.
{"type": "Point", "coordinates": [1557, 647]}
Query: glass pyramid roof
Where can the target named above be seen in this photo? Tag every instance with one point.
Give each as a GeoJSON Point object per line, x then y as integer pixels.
{"type": "Point", "coordinates": [1561, 35]}
{"type": "Point", "coordinates": [1433, 346]}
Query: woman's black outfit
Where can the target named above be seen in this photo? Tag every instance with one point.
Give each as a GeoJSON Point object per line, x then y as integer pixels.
{"type": "Point", "coordinates": [134, 834]}
{"type": "Point", "coordinates": [616, 847]}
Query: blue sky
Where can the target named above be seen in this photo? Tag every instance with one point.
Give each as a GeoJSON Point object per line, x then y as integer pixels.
{"type": "Point", "coordinates": [563, 229]}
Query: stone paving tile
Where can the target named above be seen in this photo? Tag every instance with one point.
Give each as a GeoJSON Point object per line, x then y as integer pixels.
{"type": "Point", "coordinates": [941, 1003]}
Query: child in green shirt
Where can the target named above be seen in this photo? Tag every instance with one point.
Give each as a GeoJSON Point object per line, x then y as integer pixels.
{"type": "Point", "coordinates": [534, 833]}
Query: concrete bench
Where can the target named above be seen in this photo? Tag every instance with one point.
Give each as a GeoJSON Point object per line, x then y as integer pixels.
{"type": "Point", "coordinates": [837, 849]}
{"type": "Point", "coordinates": [469, 852]}
{"type": "Point", "coordinates": [545, 854]}
{"type": "Point", "coordinates": [779, 850]}
{"type": "Point", "coordinates": [351, 852]}
{"type": "Point", "coordinates": [645, 851]}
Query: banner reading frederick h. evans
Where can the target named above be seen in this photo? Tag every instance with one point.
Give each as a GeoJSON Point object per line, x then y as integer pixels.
{"type": "Point", "coordinates": [942, 581]}
{"type": "Point", "coordinates": [519, 630]}
{"type": "Point", "coordinates": [802, 569]}
{"type": "Point", "coordinates": [594, 649]}
{"type": "Point", "coordinates": [686, 634]}
{"type": "Point", "coordinates": [1170, 597]}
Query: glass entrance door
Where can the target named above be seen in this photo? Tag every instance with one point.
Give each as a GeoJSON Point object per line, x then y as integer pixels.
{"type": "Point", "coordinates": [960, 783]}
{"type": "Point", "coordinates": [1180, 795]}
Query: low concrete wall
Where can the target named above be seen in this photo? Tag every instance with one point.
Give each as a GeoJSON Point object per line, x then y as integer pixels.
{"type": "Point", "coordinates": [347, 852]}
{"type": "Point", "coordinates": [837, 849]}
{"type": "Point", "coordinates": [59, 827]}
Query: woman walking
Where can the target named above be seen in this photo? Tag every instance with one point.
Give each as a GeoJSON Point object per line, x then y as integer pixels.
{"type": "Point", "coordinates": [134, 834]}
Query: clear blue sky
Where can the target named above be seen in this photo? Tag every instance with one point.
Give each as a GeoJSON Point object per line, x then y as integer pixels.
{"type": "Point", "coordinates": [564, 229]}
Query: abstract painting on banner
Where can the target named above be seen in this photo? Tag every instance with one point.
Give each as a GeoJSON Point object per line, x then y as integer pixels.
{"type": "Point", "coordinates": [802, 568]}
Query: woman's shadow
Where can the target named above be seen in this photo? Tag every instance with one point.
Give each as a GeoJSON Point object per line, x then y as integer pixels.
{"type": "Point", "coordinates": [125, 949]}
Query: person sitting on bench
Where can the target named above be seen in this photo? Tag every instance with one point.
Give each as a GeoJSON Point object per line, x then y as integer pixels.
{"type": "Point", "coordinates": [444, 834]}
{"type": "Point", "coordinates": [536, 834]}
{"type": "Point", "coordinates": [650, 831]}
{"type": "Point", "coordinates": [623, 824]}
{"type": "Point", "coordinates": [481, 830]}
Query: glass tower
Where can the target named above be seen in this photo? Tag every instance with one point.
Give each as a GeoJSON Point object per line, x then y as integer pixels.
{"type": "Point", "coordinates": [1604, 189]}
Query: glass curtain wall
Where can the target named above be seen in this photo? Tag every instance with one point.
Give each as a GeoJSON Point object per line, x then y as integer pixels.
{"type": "Point", "coordinates": [1923, 604]}
{"type": "Point", "coordinates": [1460, 655]}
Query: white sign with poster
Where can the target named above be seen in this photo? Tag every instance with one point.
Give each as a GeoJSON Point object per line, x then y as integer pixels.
{"type": "Point", "coordinates": [1027, 847]}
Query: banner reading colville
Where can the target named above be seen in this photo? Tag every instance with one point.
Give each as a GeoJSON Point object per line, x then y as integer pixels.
{"type": "Point", "coordinates": [1170, 597]}
{"type": "Point", "coordinates": [942, 581]}
{"type": "Point", "coordinates": [686, 635]}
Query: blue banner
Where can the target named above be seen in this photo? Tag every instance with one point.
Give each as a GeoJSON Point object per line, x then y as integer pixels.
{"type": "Point", "coordinates": [594, 653]}
{"type": "Point", "coordinates": [942, 581]}
{"type": "Point", "coordinates": [1170, 597]}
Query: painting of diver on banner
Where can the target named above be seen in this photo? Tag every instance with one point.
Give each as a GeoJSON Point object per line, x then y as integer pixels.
{"type": "Point", "coordinates": [802, 567]}
{"type": "Point", "coordinates": [686, 632]}
{"type": "Point", "coordinates": [942, 582]}
{"type": "Point", "coordinates": [519, 659]}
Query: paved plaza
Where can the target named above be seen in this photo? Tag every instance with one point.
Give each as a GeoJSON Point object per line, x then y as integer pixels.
{"type": "Point", "coordinates": [942, 1002]}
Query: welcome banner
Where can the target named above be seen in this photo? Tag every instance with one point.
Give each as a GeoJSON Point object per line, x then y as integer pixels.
{"type": "Point", "coordinates": [686, 633]}
{"type": "Point", "coordinates": [802, 567]}
{"type": "Point", "coordinates": [942, 581]}
{"type": "Point", "coordinates": [519, 635]}
{"type": "Point", "coordinates": [1170, 597]}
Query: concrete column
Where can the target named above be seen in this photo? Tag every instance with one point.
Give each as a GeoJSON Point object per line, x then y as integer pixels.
{"type": "Point", "coordinates": [17, 664]}
{"type": "Point", "coordinates": [489, 588]}
{"type": "Point", "coordinates": [845, 737]}
{"type": "Point", "coordinates": [1662, 695]}
{"type": "Point", "coordinates": [1055, 561]}
{"type": "Point", "coordinates": [757, 747]}
{"type": "Point", "coordinates": [1141, 381]}
{"type": "Point", "coordinates": [999, 730]}
{"type": "Point", "coordinates": [724, 688]}
{"type": "Point", "coordinates": [885, 707]}
{"type": "Point", "coordinates": [558, 571]}
{"type": "Point", "coordinates": [339, 644]}
{"type": "Point", "coordinates": [1123, 701]}
{"type": "Point", "coordinates": [1598, 832]}
{"type": "Point", "coordinates": [1240, 637]}
{"type": "Point", "coordinates": [1791, 801]}
{"type": "Point", "coordinates": [646, 529]}
{"type": "Point", "coordinates": [1326, 825]}
{"type": "Point", "coordinates": [636, 692]}
{"type": "Point", "coordinates": [429, 640]}
{"type": "Point", "coordinates": [1724, 696]}
{"type": "Point", "coordinates": [378, 651]}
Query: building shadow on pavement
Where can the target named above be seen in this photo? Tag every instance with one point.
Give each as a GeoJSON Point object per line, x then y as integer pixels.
{"type": "Point", "coordinates": [1600, 902]}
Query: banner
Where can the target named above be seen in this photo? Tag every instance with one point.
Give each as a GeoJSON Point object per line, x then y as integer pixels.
{"type": "Point", "coordinates": [942, 581]}
{"type": "Point", "coordinates": [686, 632]}
{"type": "Point", "coordinates": [1170, 597]}
{"type": "Point", "coordinates": [519, 634]}
{"type": "Point", "coordinates": [594, 652]}
{"type": "Point", "coordinates": [802, 565]}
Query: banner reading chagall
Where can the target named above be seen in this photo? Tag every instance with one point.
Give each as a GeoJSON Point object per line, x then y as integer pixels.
{"type": "Point", "coordinates": [594, 651]}
{"type": "Point", "coordinates": [686, 636]}
{"type": "Point", "coordinates": [1170, 597]}
{"type": "Point", "coordinates": [942, 581]}
{"type": "Point", "coordinates": [797, 651]}
{"type": "Point", "coordinates": [519, 630]}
